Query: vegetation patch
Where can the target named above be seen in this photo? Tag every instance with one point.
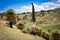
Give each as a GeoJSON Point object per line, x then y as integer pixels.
{"type": "Point", "coordinates": [20, 24]}
{"type": "Point", "coordinates": [26, 30]}
{"type": "Point", "coordinates": [56, 35]}
{"type": "Point", "coordinates": [53, 27]}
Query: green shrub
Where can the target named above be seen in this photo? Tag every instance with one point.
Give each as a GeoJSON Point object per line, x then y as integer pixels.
{"type": "Point", "coordinates": [38, 22]}
{"type": "Point", "coordinates": [36, 31]}
{"type": "Point", "coordinates": [56, 35]}
{"type": "Point", "coordinates": [21, 24]}
{"type": "Point", "coordinates": [46, 35]}
{"type": "Point", "coordinates": [40, 30]}
{"type": "Point", "coordinates": [25, 17]}
{"type": "Point", "coordinates": [26, 30]}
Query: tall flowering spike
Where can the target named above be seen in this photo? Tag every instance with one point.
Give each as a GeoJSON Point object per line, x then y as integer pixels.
{"type": "Point", "coordinates": [33, 13]}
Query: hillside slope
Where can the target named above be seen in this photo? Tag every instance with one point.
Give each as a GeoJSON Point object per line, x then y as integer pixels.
{"type": "Point", "coordinates": [7, 33]}
{"type": "Point", "coordinates": [51, 17]}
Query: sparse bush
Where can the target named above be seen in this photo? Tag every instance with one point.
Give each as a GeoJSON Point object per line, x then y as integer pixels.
{"type": "Point", "coordinates": [46, 35]}
{"type": "Point", "coordinates": [36, 31]}
{"type": "Point", "coordinates": [39, 22]}
{"type": "Point", "coordinates": [26, 30]}
{"type": "Point", "coordinates": [10, 14]}
{"type": "Point", "coordinates": [39, 32]}
{"type": "Point", "coordinates": [25, 17]}
{"type": "Point", "coordinates": [56, 35]}
{"type": "Point", "coordinates": [20, 25]}
{"type": "Point", "coordinates": [18, 18]}
{"type": "Point", "coordinates": [49, 31]}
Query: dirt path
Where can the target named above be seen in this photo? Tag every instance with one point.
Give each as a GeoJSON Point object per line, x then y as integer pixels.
{"type": "Point", "coordinates": [7, 33]}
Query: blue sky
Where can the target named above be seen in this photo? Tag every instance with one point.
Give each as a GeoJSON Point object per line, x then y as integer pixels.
{"type": "Point", "coordinates": [19, 5]}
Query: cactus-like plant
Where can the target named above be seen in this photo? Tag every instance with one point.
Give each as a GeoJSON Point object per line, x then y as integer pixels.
{"type": "Point", "coordinates": [33, 13]}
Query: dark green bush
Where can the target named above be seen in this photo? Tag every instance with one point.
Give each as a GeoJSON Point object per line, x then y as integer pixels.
{"type": "Point", "coordinates": [56, 35]}
{"type": "Point", "coordinates": [46, 35]}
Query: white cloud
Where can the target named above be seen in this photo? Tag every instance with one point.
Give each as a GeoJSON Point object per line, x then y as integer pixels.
{"type": "Point", "coordinates": [24, 9]}
{"type": "Point", "coordinates": [43, 6]}
{"type": "Point", "coordinates": [50, 5]}
{"type": "Point", "coordinates": [58, 0]}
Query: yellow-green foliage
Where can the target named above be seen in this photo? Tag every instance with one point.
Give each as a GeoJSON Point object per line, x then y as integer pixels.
{"type": "Point", "coordinates": [56, 32]}
{"type": "Point", "coordinates": [20, 25]}
{"type": "Point", "coordinates": [22, 22]}
{"type": "Point", "coordinates": [46, 35]}
{"type": "Point", "coordinates": [26, 30]}
{"type": "Point", "coordinates": [40, 30]}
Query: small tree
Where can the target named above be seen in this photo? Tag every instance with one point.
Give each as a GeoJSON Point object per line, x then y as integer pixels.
{"type": "Point", "coordinates": [33, 13]}
{"type": "Point", "coordinates": [10, 14]}
{"type": "Point", "coordinates": [11, 17]}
